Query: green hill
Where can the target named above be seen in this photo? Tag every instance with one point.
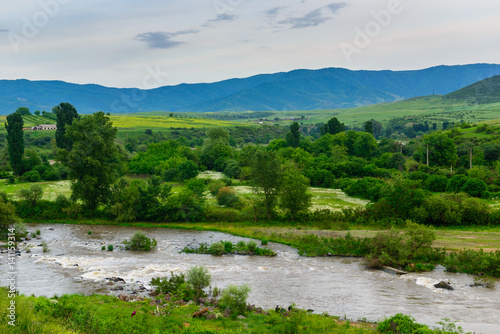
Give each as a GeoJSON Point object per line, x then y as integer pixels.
{"type": "Point", "coordinates": [484, 91]}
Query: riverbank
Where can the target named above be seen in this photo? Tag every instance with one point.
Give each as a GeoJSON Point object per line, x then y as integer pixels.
{"type": "Point", "coordinates": [105, 314]}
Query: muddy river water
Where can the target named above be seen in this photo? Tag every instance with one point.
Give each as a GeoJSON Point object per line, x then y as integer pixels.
{"type": "Point", "coordinates": [337, 286]}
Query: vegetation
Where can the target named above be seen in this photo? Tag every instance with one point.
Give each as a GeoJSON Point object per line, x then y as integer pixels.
{"type": "Point", "coordinates": [227, 247]}
{"type": "Point", "coordinates": [235, 299]}
{"type": "Point", "coordinates": [140, 242]}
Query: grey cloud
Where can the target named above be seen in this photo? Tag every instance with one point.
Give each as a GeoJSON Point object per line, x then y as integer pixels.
{"type": "Point", "coordinates": [274, 11]}
{"type": "Point", "coordinates": [220, 18]}
{"type": "Point", "coordinates": [313, 18]}
{"type": "Point", "coordinates": [163, 40]}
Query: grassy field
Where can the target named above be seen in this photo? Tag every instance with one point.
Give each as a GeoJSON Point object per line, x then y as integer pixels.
{"type": "Point", "coordinates": [163, 122]}
{"type": "Point", "coordinates": [50, 188]}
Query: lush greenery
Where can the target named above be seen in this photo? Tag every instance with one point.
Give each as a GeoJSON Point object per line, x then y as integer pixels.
{"type": "Point", "coordinates": [227, 247]}
{"type": "Point", "coordinates": [140, 242]}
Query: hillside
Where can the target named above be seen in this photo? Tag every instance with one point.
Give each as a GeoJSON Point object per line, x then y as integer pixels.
{"type": "Point", "coordinates": [329, 88]}
{"type": "Point", "coordinates": [484, 91]}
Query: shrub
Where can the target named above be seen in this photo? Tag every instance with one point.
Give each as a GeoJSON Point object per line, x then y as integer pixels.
{"type": "Point", "coordinates": [216, 248]}
{"type": "Point", "coordinates": [103, 248]}
{"type": "Point", "coordinates": [235, 298]}
{"type": "Point", "coordinates": [45, 247]}
{"type": "Point", "coordinates": [456, 182]}
{"type": "Point", "coordinates": [264, 242]}
{"type": "Point", "coordinates": [475, 187]}
{"type": "Point", "coordinates": [398, 249]}
{"type": "Point", "coordinates": [175, 285]}
{"type": "Point", "coordinates": [226, 196]}
{"type": "Point", "coordinates": [62, 201]}
{"type": "Point", "coordinates": [31, 176]}
{"type": "Point", "coordinates": [215, 185]}
{"type": "Point", "coordinates": [199, 278]}
{"type": "Point", "coordinates": [31, 195]}
{"type": "Point", "coordinates": [252, 246]}
{"type": "Point", "coordinates": [401, 323]}
{"type": "Point", "coordinates": [436, 183]}
{"type": "Point", "coordinates": [110, 248]}
{"type": "Point", "coordinates": [20, 230]}
{"type": "Point", "coordinates": [140, 242]}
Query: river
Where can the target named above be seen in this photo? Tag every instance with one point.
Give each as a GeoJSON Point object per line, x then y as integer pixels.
{"type": "Point", "coordinates": [335, 285]}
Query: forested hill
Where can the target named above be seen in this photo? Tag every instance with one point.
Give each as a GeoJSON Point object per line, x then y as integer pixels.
{"type": "Point", "coordinates": [328, 88]}
{"type": "Point", "coordinates": [484, 91]}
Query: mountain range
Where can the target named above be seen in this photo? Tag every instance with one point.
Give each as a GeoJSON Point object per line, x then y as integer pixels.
{"type": "Point", "coordinates": [328, 88]}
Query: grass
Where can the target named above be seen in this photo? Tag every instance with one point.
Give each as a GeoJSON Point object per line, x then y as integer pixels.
{"type": "Point", "coordinates": [50, 188]}
{"type": "Point", "coordinates": [164, 122]}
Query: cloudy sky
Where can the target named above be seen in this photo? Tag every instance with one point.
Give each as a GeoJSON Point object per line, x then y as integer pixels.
{"type": "Point", "coordinates": [151, 43]}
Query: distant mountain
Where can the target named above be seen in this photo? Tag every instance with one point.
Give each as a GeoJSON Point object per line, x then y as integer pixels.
{"type": "Point", "coordinates": [329, 88]}
{"type": "Point", "coordinates": [484, 91]}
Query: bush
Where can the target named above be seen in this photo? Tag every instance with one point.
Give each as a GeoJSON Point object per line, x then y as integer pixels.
{"type": "Point", "coordinates": [175, 285]}
{"type": "Point", "coordinates": [401, 250]}
{"type": "Point", "coordinates": [436, 183]}
{"type": "Point", "coordinates": [31, 176]}
{"type": "Point", "coordinates": [456, 182]}
{"type": "Point", "coordinates": [62, 201]}
{"type": "Point", "coordinates": [226, 196]}
{"type": "Point", "coordinates": [475, 187]}
{"type": "Point", "coordinates": [214, 186]}
{"type": "Point", "coordinates": [235, 298]}
{"type": "Point", "coordinates": [110, 248]}
{"type": "Point", "coordinates": [252, 246]}
{"type": "Point", "coordinates": [31, 195]}
{"type": "Point", "coordinates": [216, 249]}
{"type": "Point", "coordinates": [199, 278]}
{"type": "Point", "coordinates": [401, 323]}
{"type": "Point", "coordinates": [20, 231]}
{"type": "Point", "coordinates": [140, 242]}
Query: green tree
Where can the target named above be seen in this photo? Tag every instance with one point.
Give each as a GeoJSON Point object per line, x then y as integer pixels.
{"type": "Point", "coordinates": [294, 198]}
{"type": "Point", "coordinates": [369, 127]}
{"type": "Point", "coordinates": [31, 195]}
{"type": "Point", "coordinates": [216, 146]}
{"type": "Point", "coordinates": [7, 215]}
{"type": "Point", "coordinates": [37, 112]}
{"type": "Point", "coordinates": [199, 278]}
{"type": "Point", "coordinates": [15, 141]}
{"type": "Point", "coordinates": [23, 111]}
{"type": "Point", "coordinates": [66, 114]}
{"type": "Point", "coordinates": [266, 177]}
{"type": "Point", "coordinates": [293, 137]}
{"type": "Point", "coordinates": [188, 170]}
{"type": "Point", "coordinates": [94, 163]}
{"type": "Point", "coordinates": [365, 145]}
{"type": "Point", "coordinates": [442, 150]}
{"type": "Point", "coordinates": [332, 127]}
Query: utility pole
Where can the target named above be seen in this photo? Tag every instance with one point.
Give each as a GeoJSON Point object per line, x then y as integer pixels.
{"type": "Point", "coordinates": [470, 156]}
{"type": "Point", "coordinates": [427, 155]}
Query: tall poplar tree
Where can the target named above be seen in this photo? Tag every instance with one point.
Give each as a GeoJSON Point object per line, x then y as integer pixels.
{"type": "Point", "coordinates": [15, 140]}
{"type": "Point", "coordinates": [65, 113]}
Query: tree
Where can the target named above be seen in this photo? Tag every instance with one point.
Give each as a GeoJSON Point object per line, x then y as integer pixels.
{"type": "Point", "coordinates": [37, 112]}
{"type": "Point", "coordinates": [23, 111]}
{"type": "Point", "coordinates": [66, 114]}
{"type": "Point", "coordinates": [199, 278]}
{"type": "Point", "coordinates": [442, 150]}
{"type": "Point", "coordinates": [188, 170]}
{"type": "Point", "coordinates": [94, 162]}
{"type": "Point", "coordinates": [266, 176]}
{"type": "Point", "coordinates": [332, 127]}
{"type": "Point", "coordinates": [7, 215]}
{"type": "Point", "coordinates": [369, 127]}
{"type": "Point", "coordinates": [216, 147]}
{"type": "Point", "coordinates": [365, 145]}
{"type": "Point", "coordinates": [293, 137]}
{"type": "Point", "coordinates": [294, 198]}
{"type": "Point", "coordinates": [15, 140]}
{"type": "Point", "coordinates": [31, 195]}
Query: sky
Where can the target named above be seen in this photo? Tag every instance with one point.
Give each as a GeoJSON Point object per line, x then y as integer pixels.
{"type": "Point", "coordinates": [152, 43]}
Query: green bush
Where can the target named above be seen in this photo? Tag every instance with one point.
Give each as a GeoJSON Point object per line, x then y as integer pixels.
{"type": "Point", "coordinates": [407, 249]}
{"type": "Point", "coordinates": [401, 323]}
{"type": "Point", "coordinates": [174, 285]}
{"type": "Point", "coordinates": [214, 186]}
{"type": "Point", "coordinates": [475, 187]}
{"type": "Point", "coordinates": [140, 242]}
{"type": "Point", "coordinates": [436, 183]}
{"type": "Point", "coordinates": [199, 278]}
{"type": "Point", "coordinates": [226, 196]}
{"type": "Point", "coordinates": [110, 248]}
{"type": "Point", "coordinates": [474, 262]}
{"type": "Point", "coordinates": [31, 176]}
{"type": "Point", "coordinates": [252, 246]}
{"type": "Point", "coordinates": [216, 248]}
{"type": "Point", "coordinates": [456, 182]}
{"type": "Point", "coordinates": [235, 298]}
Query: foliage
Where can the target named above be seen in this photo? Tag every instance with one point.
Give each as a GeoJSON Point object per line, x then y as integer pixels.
{"type": "Point", "coordinates": [66, 114]}
{"type": "Point", "coordinates": [235, 298]}
{"type": "Point", "coordinates": [437, 183]}
{"type": "Point", "coordinates": [266, 174]}
{"type": "Point", "coordinates": [188, 170]}
{"type": "Point", "coordinates": [474, 262]}
{"type": "Point", "coordinates": [175, 285]}
{"type": "Point", "coordinates": [199, 278]}
{"type": "Point", "coordinates": [475, 187]}
{"type": "Point", "coordinates": [406, 249]}
{"type": "Point", "coordinates": [333, 126]}
{"type": "Point", "coordinates": [227, 247]}
{"type": "Point", "coordinates": [216, 248]}
{"type": "Point", "coordinates": [140, 242]}
{"type": "Point", "coordinates": [401, 323]}
{"type": "Point", "coordinates": [197, 186]}
{"type": "Point", "coordinates": [293, 137]}
{"type": "Point", "coordinates": [94, 162]}
{"type": "Point", "coordinates": [226, 196]}
{"type": "Point", "coordinates": [110, 248]}
{"type": "Point", "coordinates": [294, 198]}
{"type": "Point", "coordinates": [31, 195]}
{"type": "Point", "coordinates": [8, 215]}
{"type": "Point", "coordinates": [15, 140]}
